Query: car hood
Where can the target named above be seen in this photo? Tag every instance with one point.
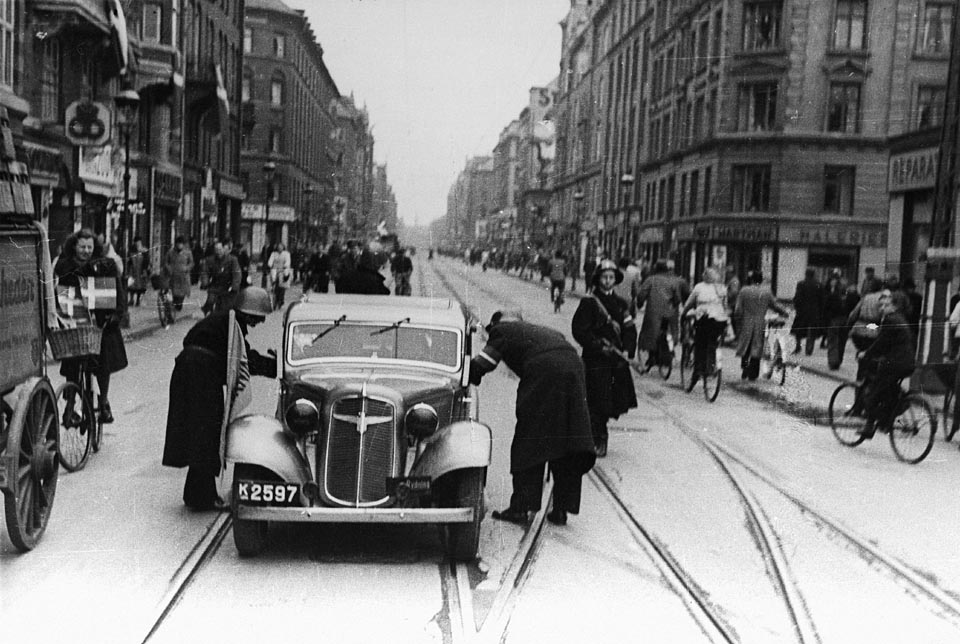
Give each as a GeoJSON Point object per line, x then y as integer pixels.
{"type": "Point", "coordinates": [412, 385]}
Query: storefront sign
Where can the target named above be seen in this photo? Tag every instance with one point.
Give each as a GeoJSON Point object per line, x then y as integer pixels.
{"type": "Point", "coordinates": [166, 188]}
{"type": "Point", "coordinates": [651, 235]}
{"type": "Point", "coordinates": [915, 170]}
{"type": "Point", "coordinates": [44, 164]}
{"type": "Point", "coordinates": [251, 211]}
{"type": "Point", "coordinates": [96, 170]}
{"type": "Point", "coordinates": [208, 202]}
{"type": "Point", "coordinates": [21, 338]}
{"type": "Point", "coordinates": [748, 231]}
{"type": "Point", "coordinates": [281, 213]}
{"type": "Point", "coordinates": [231, 189]}
{"type": "Point", "coordinates": [872, 236]}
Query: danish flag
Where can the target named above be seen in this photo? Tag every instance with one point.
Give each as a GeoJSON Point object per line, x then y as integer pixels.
{"type": "Point", "coordinates": [100, 293]}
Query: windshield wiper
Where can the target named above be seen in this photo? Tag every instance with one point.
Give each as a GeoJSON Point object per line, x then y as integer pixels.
{"type": "Point", "coordinates": [336, 323]}
{"type": "Point", "coordinates": [395, 325]}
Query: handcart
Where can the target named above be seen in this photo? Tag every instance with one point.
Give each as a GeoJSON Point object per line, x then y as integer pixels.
{"type": "Point", "coordinates": [29, 424]}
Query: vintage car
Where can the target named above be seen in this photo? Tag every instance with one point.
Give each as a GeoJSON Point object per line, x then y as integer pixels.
{"type": "Point", "coordinates": [376, 422]}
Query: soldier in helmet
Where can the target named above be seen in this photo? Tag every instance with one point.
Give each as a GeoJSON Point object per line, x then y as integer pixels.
{"type": "Point", "coordinates": [215, 354]}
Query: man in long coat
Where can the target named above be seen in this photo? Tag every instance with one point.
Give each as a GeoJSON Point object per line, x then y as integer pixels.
{"type": "Point", "coordinates": [808, 303]}
{"type": "Point", "coordinates": [197, 404]}
{"type": "Point", "coordinates": [177, 268]}
{"type": "Point", "coordinates": [553, 424]}
{"type": "Point", "coordinates": [661, 294]}
{"type": "Point", "coordinates": [753, 302]}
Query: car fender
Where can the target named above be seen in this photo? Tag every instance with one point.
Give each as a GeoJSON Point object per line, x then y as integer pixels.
{"type": "Point", "coordinates": [463, 444]}
{"type": "Point", "coordinates": [260, 440]}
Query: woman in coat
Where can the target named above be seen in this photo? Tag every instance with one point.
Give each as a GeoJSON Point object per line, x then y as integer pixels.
{"type": "Point", "coordinates": [178, 269]}
{"type": "Point", "coordinates": [753, 302]}
{"type": "Point", "coordinates": [661, 294]}
{"type": "Point", "coordinates": [603, 326]}
{"type": "Point", "coordinates": [138, 272]}
{"type": "Point", "coordinates": [281, 273]}
{"type": "Point", "coordinates": [83, 257]}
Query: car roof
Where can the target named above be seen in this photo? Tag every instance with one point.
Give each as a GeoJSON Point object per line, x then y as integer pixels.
{"type": "Point", "coordinates": [378, 308]}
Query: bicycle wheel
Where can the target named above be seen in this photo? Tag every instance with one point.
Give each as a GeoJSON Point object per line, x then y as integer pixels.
{"type": "Point", "coordinates": [845, 422]}
{"type": "Point", "coordinates": [948, 430]}
{"type": "Point", "coordinates": [712, 379]}
{"type": "Point", "coordinates": [911, 435]}
{"type": "Point", "coordinates": [76, 416]}
{"type": "Point", "coordinates": [686, 366]}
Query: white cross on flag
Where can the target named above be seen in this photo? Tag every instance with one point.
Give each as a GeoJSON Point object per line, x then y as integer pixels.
{"type": "Point", "coordinates": [100, 293]}
{"type": "Point", "coordinates": [71, 305]}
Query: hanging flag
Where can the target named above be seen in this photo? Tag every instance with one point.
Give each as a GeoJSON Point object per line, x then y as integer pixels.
{"type": "Point", "coordinates": [118, 36]}
{"type": "Point", "coordinates": [382, 229]}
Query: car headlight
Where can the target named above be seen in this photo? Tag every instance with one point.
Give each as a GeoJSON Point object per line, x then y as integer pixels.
{"type": "Point", "coordinates": [302, 417]}
{"type": "Point", "coordinates": [421, 420]}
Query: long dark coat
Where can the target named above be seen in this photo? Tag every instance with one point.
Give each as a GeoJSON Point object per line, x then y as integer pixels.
{"type": "Point", "coordinates": [808, 303]}
{"type": "Point", "coordinates": [178, 267]}
{"type": "Point", "coordinates": [661, 293]}
{"type": "Point", "coordinates": [610, 389]}
{"type": "Point", "coordinates": [552, 416]}
{"type": "Point", "coordinates": [195, 411]}
{"type": "Point", "coordinates": [753, 303]}
{"type": "Point", "coordinates": [113, 354]}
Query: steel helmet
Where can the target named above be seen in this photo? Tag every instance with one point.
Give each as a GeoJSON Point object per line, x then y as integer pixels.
{"type": "Point", "coordinates": [607, 265]}
{"type": "Point", "coordinates": [253, 301]}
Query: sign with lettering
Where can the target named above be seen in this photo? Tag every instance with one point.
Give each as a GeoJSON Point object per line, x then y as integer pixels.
{"type": "Point", "coordinates": [869, 235]}
{"type": "Point", "coordinates": [914, 170]}
{"type": "Point", "coordinates": [21, 333]}
{"type": "Point", "coordinates": [87, 123]}
{"type": "Point", "coordinates": [251, 211]}
{"type": "Point", "coordinates": [97, 171]}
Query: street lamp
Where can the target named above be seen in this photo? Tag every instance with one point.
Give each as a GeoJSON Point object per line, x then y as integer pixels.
{"type": "Point", "coordinates": [578, 200]}
{"type": "Point", "coordinates": [127, 103]}
{"type": "Point", "coordinates": [626, 180]}
{"type": "Point", "coordinates": [269, 168]}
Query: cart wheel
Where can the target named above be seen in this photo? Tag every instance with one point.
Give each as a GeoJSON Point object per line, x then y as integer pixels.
{"type": "Point", "coordinates": [32, 479]}
{"type": "Point", "coordinates": [77, 426]}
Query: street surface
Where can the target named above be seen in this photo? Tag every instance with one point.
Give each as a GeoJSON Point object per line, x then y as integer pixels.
{"type": "Point", "coordinates": [786, 535]}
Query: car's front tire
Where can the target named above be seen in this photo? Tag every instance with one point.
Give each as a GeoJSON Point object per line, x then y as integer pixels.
{"type": "Point", "coordinates": [249, 536]}
{"type": "Point", "coordinates": [464, 489]}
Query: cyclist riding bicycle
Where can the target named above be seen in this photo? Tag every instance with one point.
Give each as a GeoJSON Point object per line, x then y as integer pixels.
{"type": "Point", "coordinates": [558, 275]}
{"type": "Point", "coordinates": [708, 301]}
{"type": "Point", "coordinates": [885, 362]}
{"type": "Point", "coordinates": [661, 294]}
{"type": "Point", "coordinates": [220, 275]}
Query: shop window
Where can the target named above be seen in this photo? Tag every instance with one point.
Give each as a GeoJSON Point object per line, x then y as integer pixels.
{"type": "Point", "coordinates": [849, 25]}
{"type": "Point", "coordinates": [934, 36]}
{"type": "Point", "coordinates": [843, 110]}
{"type": "Point", "coordinates": [930, 103]}
{"type": "Point", "coordinates": [758, 107]}
{"type": "Point", "coordinates": [838, 184]}
{"type": "Point", "coordinates": [751, 188]}
{"type": "Point", "coordinates": [761, 25]}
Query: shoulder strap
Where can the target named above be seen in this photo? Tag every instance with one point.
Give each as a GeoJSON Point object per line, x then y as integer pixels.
{"type": "Point", "coordinates": [603, 309]}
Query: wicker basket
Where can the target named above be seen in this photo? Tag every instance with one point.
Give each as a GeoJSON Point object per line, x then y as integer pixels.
{"type": "Point", "coordinates": [79, 342]}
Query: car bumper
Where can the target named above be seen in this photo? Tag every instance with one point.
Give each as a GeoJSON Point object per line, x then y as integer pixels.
{"type": "Point", "coordinates": [354, 515]}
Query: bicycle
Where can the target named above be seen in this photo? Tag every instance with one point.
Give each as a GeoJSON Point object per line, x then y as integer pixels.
{"type": "Point", "coordinates": [556, 295]}
{"type": "Point", "coordinates": [165, 308]}
{"type": "Point", "coordinates": [911, 428]}
{"type": "Point", "coordinates": [664, 353]}
{"type": "Point", "coordinates": [946, 371]}
{"type": "Point", "coordinates": [773, 365]}
{"type": "Point", "coordinates": [78, 406]}
{"type": "Point", "coordinates": [713, 377]}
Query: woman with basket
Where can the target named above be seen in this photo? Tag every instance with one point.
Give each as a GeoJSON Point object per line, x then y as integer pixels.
{"type": "Point", "coordinates": [83, 257]}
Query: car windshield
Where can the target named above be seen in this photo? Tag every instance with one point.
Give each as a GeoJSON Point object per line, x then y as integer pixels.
{"type": "Point", "coordinates": [318, 340]}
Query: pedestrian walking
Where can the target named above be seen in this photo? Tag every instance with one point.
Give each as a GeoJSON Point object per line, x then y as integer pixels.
{"type": "Point", "coordinates": [603, 326]}
{"type": "Point", "coordinates": [553, 423]}
{"type": "Point", "coordinates": [215, 356]}
{"type": "Point", "coordinates": [661, 295]}
{"type": "Point", "coordinates": [871, 283]}
{"type": "Point", "coordinates": [83, 257]}
{"type": "Point", "coordinates": [177, 269]}
{"type": "Point", "coordinates": [838, 301]}
{"type": "Point", "coordinates": [732, 282]}
{"type": "Point", "coordinates": [138, 271]}
{"type": "Point", "coordinates": [558, 275]}
{"type": "Point", "coordinates": [753, 302]}
{"type": "Point", "coordinates": [281, 273]}
{"type": "Point", "coordinates": [402, 271]}
{"type": "Point", "coordinates": [220, 276]}
{"type": "Point", "coordinates": [808, 304]}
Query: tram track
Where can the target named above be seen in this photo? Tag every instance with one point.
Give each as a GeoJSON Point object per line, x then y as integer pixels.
{"type": "Point", "coordinates": [742, 475]}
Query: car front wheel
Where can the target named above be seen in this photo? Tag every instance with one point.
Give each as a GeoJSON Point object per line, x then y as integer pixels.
{"type": "Point", "coordinates": [250, 536]}
{"type": "Point", "coordinates": [464, 490]}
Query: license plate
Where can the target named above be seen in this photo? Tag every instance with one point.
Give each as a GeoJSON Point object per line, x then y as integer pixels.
{"type": "Point", "coordinates": [268, 493]}
{"type": "Point", "coordinates": [408, 486]}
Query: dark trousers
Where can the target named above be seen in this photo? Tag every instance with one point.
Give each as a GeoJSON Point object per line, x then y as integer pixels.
{"type": "Point", "coordinates": [836, 341]}
{"type": "Point", "coordinates": [598, 426]}
{"type": "Point", "coordinates": [750, 367]}
{"type": "Point", "coordinates": [807, 336]}
{"type": "Point", "coordinates": [881, 393]}
{"type": "Point", "coordinates": [200, 488]}
{"type": "Point", "coordinates": [706, 338]}
{"type": "Point", "coordinates": [528, 486]}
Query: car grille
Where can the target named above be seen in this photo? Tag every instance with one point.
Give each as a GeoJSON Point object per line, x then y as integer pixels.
{"type": "Point", "coordinates": [358, 464]}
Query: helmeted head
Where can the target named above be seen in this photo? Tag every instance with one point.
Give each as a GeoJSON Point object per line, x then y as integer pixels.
{"type": "Point", "coordinates": [607, 265]}
{"type": "Point", "coordinates": [507, 315]}
{"type": "Point", "coordinates": [254, 303]}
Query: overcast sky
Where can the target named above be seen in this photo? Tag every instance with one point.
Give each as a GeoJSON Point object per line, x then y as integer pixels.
{"type": "Point", "coordinates": [440, 79]}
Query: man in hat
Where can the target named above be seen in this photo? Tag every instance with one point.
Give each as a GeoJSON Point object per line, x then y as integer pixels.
{"type": "Point", "coordinates": [553, 424]}
{"type": "Point", "coordinates": [215, 354]}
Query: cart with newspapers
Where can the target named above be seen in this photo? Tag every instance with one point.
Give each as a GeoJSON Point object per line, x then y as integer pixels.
{"type": "Point", "coordinates": [29, 423]}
